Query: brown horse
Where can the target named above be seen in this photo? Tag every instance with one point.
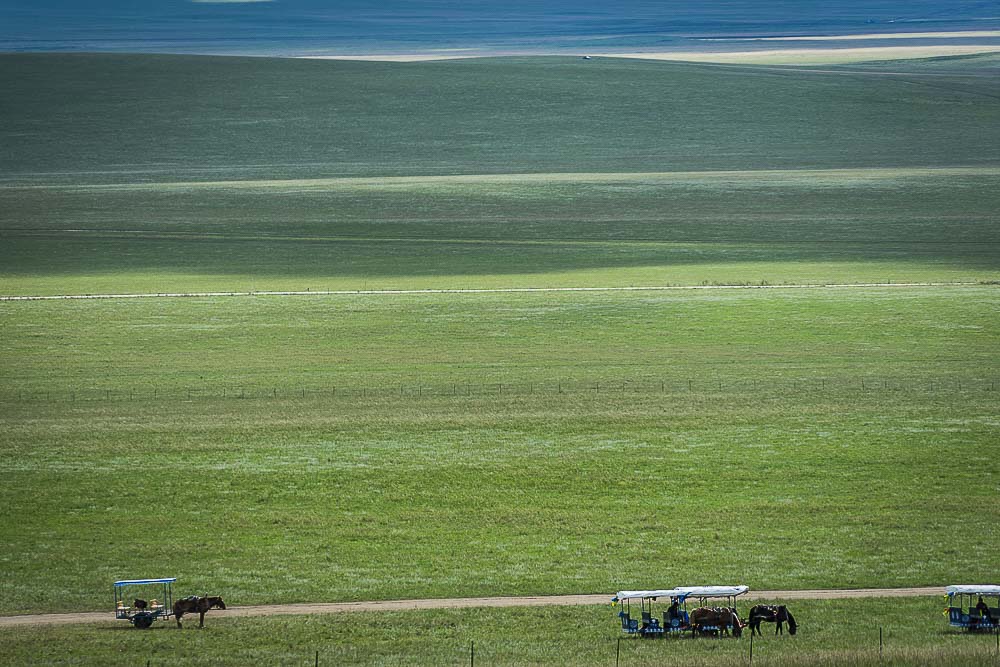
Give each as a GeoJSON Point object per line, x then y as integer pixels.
{"type": "Point", "coordinates": [766, 613]}
{"type": "Point", "coordinates": [193, 604]}
{"type": "Point", "coordinates": [714, 620]}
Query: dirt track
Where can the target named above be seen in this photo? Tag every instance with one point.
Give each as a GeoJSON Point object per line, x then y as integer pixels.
{"type": "Point", "coordinates": [460, 603]}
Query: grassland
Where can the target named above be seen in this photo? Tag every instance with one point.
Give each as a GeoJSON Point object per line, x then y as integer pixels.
{"type": "Point", "coordinates": [840, 226]}
{"type": "Point", "coordinates": [329, 448]}
{"type": "Point", "coordinates": [832, 633]}
{"type": "Point", "coordinates": [761, 458]}
{"type": "Point", "coordinates": [113, 119]}
{"type": "Point", "coordinates": [184, 174]}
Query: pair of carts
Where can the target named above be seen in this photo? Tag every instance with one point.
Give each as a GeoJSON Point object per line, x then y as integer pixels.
{"type": "Point", "coordinates": [972, 607]}
{"type": "Point", "coordinates": [676, 619]}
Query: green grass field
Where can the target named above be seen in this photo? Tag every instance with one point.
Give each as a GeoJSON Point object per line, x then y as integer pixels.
{"type": "Point", "coordinates": [347, 447]}
{"type": "Point", "coordinates": [849, 446]}
{"type": "Point", "coordinates": [171, 173]}
{"type": "Point", "coordinates": [837, 632]}
{"type": "Point", "coordinates": [122, 118]}
{"type": "Point", "coordinates": [839, 226]}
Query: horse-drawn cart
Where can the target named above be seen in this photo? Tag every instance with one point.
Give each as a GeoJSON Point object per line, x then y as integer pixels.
{"type": "Point", "coordinates": [134, 601]}
{"type": "Point", "coordinates": [977, 615]}
{"type": "Point", "coordinates": [703, 620]}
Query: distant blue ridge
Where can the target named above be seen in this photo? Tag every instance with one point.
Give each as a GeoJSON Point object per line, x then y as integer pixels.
{"type": "Point", "coordinates": [304, 27]}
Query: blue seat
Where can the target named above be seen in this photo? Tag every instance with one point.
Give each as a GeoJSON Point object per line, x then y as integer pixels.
{"type": "Point", "coordinates": [629, 624]}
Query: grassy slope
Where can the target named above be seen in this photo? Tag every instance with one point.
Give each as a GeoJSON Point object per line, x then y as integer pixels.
{"type": "Point", "coordinates": [833, 632]}
{"type": "Point", "coordinates": [316, 343]}
{"type": "Point", "coordinates": [546, 230]}
{"type": "Point", "coordinates": [774, 466]}
{"type": "Point", "coordinates": [125, 118]}
{"type": "Point", "coordinates": [73, 121]}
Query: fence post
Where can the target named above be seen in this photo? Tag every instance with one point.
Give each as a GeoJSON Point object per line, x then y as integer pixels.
{"type": "Point", "coordinates": [317, 659]}
{"type": "Point", "coordinates": [751, 648]}
{"type": "Point", "coordinates": [472, 655]}
{"type": "Point", "coordinates": [880, 643]}
{"type": "Point", "coordinates": [618, 652]}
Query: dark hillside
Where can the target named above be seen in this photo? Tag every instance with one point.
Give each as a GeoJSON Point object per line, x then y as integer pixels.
{"type": "Point", "coordinates": [98, 118]}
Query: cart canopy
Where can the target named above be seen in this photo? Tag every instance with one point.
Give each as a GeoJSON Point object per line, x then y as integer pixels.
{"type": "Point", "coordinates": [973, 589]}
{"type": "Point", "coordinates": [129, 582]}
{"type": "Point", "coordinates": [684, 592]}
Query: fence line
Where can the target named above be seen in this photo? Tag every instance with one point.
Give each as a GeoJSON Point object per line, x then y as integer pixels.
{"type": "Point", "coordinates": [420, 390]}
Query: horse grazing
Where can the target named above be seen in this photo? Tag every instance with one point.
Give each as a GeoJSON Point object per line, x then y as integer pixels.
{"type": "Point", "coordinates": [193, 604]}
{"type": "Point", "coordinates": [771, 614]}
{"type": "Point", "coordinates": [705, 618]}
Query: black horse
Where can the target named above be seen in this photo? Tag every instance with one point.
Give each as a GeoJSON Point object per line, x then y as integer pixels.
{"type": "Point", "coordinates": [195, 604]}
{"type": "Point", "coordinates": [771, 614]}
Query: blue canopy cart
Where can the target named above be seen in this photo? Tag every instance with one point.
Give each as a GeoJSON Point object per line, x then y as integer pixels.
{"type": "Point", "coordinates": [135, 601]}
{"type": "Point", "coordinates": [965, 611]}
{"type": "Point", "coordinates": [675, 619]}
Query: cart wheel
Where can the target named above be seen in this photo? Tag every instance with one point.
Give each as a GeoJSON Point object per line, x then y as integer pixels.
{"type": "Point", "coordinates": [142, 620]}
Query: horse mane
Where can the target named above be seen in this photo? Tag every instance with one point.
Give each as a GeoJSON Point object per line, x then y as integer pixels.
{"type": "Point", "coordinates": [792, 625]}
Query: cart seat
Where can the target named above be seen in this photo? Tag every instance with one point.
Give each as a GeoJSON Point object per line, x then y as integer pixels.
{"type": "Point", "coordinates": [629, 624]}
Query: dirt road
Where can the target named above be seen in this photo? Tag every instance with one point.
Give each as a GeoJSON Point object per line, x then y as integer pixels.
{"type": "Point", "coordinates": [460, 603]}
